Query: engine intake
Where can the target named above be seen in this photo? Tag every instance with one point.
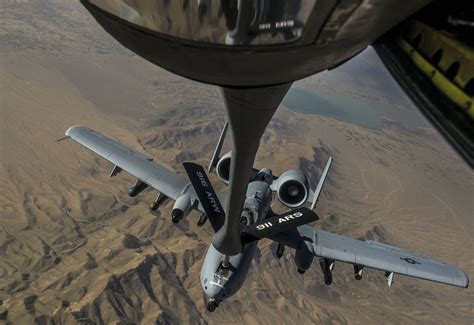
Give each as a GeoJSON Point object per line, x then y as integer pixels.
{"type": "Point", "coordinates": [223, 167]}
{"type": "Point", "coordinates": [292, 188]}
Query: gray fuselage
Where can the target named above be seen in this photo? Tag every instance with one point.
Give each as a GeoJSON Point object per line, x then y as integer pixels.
{"type": "Point", "coordinates": [218, 282]}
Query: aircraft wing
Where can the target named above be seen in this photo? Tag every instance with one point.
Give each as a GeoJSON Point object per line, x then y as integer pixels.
{"type": "Point", "coordinates": [387, 258]}
{"type": "Point", "coordinates": [331, 247]}
{"type": "Point", "coordinates": [139, 165]}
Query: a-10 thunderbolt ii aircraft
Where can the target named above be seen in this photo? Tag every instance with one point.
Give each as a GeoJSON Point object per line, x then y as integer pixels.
{"type": "Point", "coordinates": [221, 275]}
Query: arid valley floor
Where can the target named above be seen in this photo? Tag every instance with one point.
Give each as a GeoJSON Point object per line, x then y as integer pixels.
{"type": "Point", "coordinates": [75, 249]}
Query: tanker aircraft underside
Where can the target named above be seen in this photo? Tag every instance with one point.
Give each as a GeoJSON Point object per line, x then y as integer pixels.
{"type": "Point", "coordinates": [223, 275]}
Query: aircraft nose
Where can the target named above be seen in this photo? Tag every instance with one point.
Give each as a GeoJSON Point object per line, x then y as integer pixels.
{"type": "Point", "coordinates": [214, 291]}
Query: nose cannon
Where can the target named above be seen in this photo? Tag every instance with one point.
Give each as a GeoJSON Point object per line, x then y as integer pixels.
{"type": "Point", "coordinates": [212, 304]}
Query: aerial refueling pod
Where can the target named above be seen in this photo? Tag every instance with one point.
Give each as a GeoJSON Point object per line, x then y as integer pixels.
{"type": "Point", "coordinates": [137, 188]}
{"type": "Point", "coordinates": [292, 188]}
{"type": "Point", "coordinates": [181, 208]}
{"type": "Point", "coordinates": [223, 167]}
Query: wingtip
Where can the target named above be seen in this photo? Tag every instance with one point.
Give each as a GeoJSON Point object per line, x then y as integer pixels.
{"type": "Point", "coordinates": [465, 281]}
{"type": "Point", "coordinates": [72, 129]}
{"type": "Point", "coordinates": [461, 279]}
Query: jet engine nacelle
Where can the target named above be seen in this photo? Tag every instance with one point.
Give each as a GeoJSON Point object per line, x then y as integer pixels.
{"type": "Point", "coordinates": [223, 167]}
{"type": "Point", "coordinates": [181, 208]}
{"type": "Point", "coordinates": [292, 188]}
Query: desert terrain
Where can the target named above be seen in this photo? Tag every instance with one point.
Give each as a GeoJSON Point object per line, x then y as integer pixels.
{"type": "Point", "coordinates": [75, 249]}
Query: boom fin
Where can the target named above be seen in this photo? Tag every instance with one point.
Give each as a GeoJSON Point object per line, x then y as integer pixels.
{"type": "Point", "coordinates": [277, 224]}
{"type": "Point", "coordinates": [206, 194]}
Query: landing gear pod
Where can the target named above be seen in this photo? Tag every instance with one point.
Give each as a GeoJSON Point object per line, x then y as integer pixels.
{"type": "Point", "coordinates": [303, 257]}
{"type": "Point", "coordinates": [181, 208]}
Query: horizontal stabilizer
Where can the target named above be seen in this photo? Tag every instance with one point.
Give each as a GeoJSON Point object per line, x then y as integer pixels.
{"type": "Point", "coordinates": [278, 223]}
{"type": "Point", "coordinates": [319, 187]}
{"type": "Point", "coordinates": [206, 194]}
{"type": "Point", "coordinates": [215, 157]}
